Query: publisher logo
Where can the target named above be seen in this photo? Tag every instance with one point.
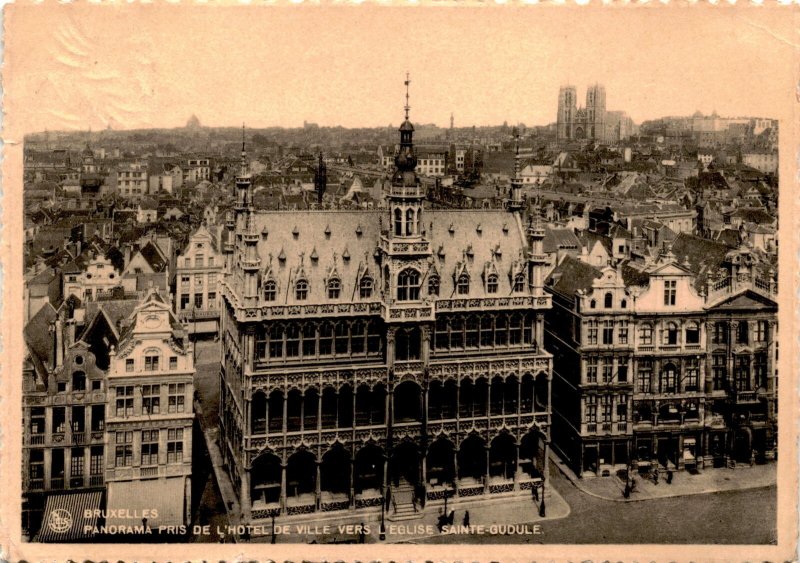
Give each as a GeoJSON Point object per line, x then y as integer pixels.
{"type": "Point", "coordinates": [60, 520]}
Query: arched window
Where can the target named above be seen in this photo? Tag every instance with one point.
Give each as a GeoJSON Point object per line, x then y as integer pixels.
{"type": "Point", "coordinates": [623, 303]}
{"type": "Point", "coordinates": [693, 333]}
{"type": "Point", "coordinates": [462, 286]}
{"type": "Point", "coordinates": [365, 287]}
{"type": "Point", "coordinates": [608, 301]}
{"type": "Point", "coordinates": [270, 291]}
{"type": "Point", "coordinates": [592, 304]}
{"type": "Point", "coordinates": [491, 284]}
{"type": "Point", "coordinates": [410, 222]}
{"type": "Point", "coordinates": [301, 290]}
{"type": "Point", "coordinates": [519, 283]}
{"type": "Point", "coordinates": [398, 222]}
{"type": "Point", "coordinates": [334, 288]}
{"type": "Point", "coordinates": [408, 285]}
{"type": "Point", "coordinates": [433, 285]}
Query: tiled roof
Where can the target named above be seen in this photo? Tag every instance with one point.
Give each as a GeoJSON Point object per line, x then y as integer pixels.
{"type": "Point", "coordinates": [38, 336]}
{"type": "Point", "coordinates": [559, 238]}
{"type": "Point", "coordinates": [703, 255]}
{"type": "Point", "coordinates": [316, 245]}
{"type": "Point", "coordinates": [571, 275]}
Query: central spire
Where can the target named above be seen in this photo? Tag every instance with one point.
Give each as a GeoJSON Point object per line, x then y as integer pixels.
{"type": "Point", "coordinates": [408, 83]}
{"type": "Point", "coordinates": [406, 160]}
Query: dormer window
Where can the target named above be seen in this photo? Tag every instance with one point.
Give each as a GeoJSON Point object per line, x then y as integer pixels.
{"type": "Point", "coordinates": [408, 285]}
{"type": "Point", "coordinates": [491, 284]}
{"type": "Point", "coordinates": [592, 304]}
{"type": "Point", "coordinates": [462, 285]}
{"type": "Point", "coordinates": [433, 285]}
{"type": "Point", "coordinates": [608, 301]}
{"type": "Point", "coordinates": [270, 291]}
{"type": "Point", "coordinates": [365, 287]}
{"type": "Point", "coordinates": [301, 290]}
{"type": "Point", "coordinates": [334, 288]}
{"type": "Point", "coordinates": [519, 283]}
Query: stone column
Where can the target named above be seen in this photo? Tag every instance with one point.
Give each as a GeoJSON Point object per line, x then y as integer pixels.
{"type": "Point", "coordinates": [352, 484]}
{"type": "Point", "coordinates": [516, 467]}
{"type": "Point", "coordinates": [302, 410]}
{"type": "Point", "coordinates": [488, 471]}
{"type": "Point", "coordinates": [283, 489]}
{"type": "Point", "coordinates": [455, 472]}
{"type": "Point", "coordinates": [244, 496]}
{"type": "Point", "coordinates": [318, 487]}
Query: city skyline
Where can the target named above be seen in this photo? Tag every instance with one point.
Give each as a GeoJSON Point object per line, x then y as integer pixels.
{"type": "Point", "coordinates": [272, 79]}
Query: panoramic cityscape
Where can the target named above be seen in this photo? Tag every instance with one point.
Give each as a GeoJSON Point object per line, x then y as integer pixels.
{"type": "Point", "coordinates": [511, 333]}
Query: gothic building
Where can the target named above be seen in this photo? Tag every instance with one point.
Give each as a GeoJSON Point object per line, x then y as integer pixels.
{"type": "Point", "coordinates": [589, 122]}
{"type": "Point", "coordinates": [382, 357]}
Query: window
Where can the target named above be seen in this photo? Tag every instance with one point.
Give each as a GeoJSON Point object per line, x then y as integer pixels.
{"type": "Point", "coordinates": [211, 263]}
{"type": "Point", "coordinates": [519, 283]}
{"type": "Point", "coordinates": [760, 332]}
{"type": "Point", "coordinates": [151, 399]}
{"type": "Point", "coordinates": [309, 340]}
{"type": "Point", "coordinates": [608, 301]}
{"type": "Point", "coordinates": [623, 332]}
{"type": "Point", "coordinates": [292, 341]}
{"type": "Point", "coordinates": [334, 288]}
{"type": "Point", "coordinates": [622, 369]}
{"type": "Point", "coordinates": [301, 290]}
{"type": "Point", "coordinates": [212, 300]}
{"type": "Point", "coordinates": [185, 280]}
{"type": "Point", "coordinates": [325, 339]}
{"type": "Point", "coordinates": [607, 403]}
{"type": "Point", "coordinates": [462, 285]}
{"type": "Point", "coordinates": [669, 379]}
{"type": "Point", "coordinates": [151, 362]}
{"type": "Point", "coordinates": [742, 332]}
{"type": "Point", "coordinates": [670, 292]}
{"type": "Point", "coordinates": [760, 369]}
{"type": "Point", "coordinates": [646, 335]}
{"type": "Point", "coordinates": [671, 334]}
{"type": "Point", "coordinates": [37, 420]}
{"type": "Point", "coordinates": [124, 449]}
{"type": "Point", "coordinates": [720, 334]}
{"type": "Point", "coordinates": [622, 412]}
{"type": "Point", "coordinates": [76, 467]}
{"type": "Point", "coordinates": [365, 287]}
{"type": "Point", "coordinates": [129, 365]}
{"type": "Point", "coordinates": [177, 397]}
{"type": "Point", "coordinates": [270, 291]}
{"type": "Point", "coordinates": [433, 285]}
{"type": "Point", "coordinates": [408, 285]}
{"type": "Point", "coordinates": [198, 300]}
{"type": "Point", "coordinates": [276, 341]}
{"type": "Point", "coordinates": [591, 370]}
{"type": "Point", "coordinates": [473, 331]}
{"type": "Point", "coordinates": [149, 447]}
{"type": "Point", "coordinates": [742, 373]}
{"type": "Point", "coordinates": [398, 222]}
{"type": "Point", "coordinates": [79, 381]}
{"type": "Point", "coordinates": [692, 333]}
{"type": "Point", "coordinates": [592, 304]}
{"type": "Point", "coordinates": [491, 284]}
{"type": "Point", "coordinates": [341, 334]}
{"type": "Point", "coordinates": [358, 335]}
{"type": "Point", "coordinates": [608, 332]}
{"type": "Point", "coordinates": [692, 374]}
{"type": "Point", "coordinates": [591, 409]}
{"type": "Point", "coordinates": [608, 370]}
{"type": "Point", "coordinates": [98, 418]}
{"type": "Point", "coordinates": [124, 402]}
{"type": "Point", "coordinates": [173, 362]}
{"type": "Point", "coordinates": [591, 336]}
{"type": "Point", "coordinates": [719, 371]}
{"type": "Point", "coordinates": [184, 301]}
{"type": "Point", "coordinates": [175, 445]}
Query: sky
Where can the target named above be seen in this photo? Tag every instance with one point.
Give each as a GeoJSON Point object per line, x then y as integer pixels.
{"type": "Point", "coordinates": [137, 66]}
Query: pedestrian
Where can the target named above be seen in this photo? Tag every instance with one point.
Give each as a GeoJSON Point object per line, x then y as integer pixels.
{"type": "Point", "coordinates": [466, 518]}
{"type": "Point", "coordinates": [669, 476]}
{"type": "Point", "coordinates": [626, 492]}
{"type": "Point", "coordinates": [451, 517]}
{"type": "Point", "coordinates": [655, 476]}
{"type": "Point", "coordinates": [535, 491]}
{"type": "Point", "coordinates": [361, 533]}
{"type": "Point", "coordinates": [633, 484]}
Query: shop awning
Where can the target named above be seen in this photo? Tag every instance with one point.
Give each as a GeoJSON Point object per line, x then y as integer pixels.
{"type": "Point", "coordinates": [161, 501]}
{"type": "Point", "coordinates": [67, 516]}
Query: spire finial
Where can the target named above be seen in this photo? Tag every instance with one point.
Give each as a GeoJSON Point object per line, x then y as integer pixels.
{"type": "Point", "coordinates": [242, 136]}
{"type": "Point", "coordinates": [407, 83]}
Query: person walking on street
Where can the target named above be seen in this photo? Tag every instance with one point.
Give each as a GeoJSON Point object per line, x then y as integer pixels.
{"type": "Point", "coordinates": [669, 476]}
{"type": "Point", "coordinates": [655, 476]}
{"type": "Point", "coordinates": [466, 518]}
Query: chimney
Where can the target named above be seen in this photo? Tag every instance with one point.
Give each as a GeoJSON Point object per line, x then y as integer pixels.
{"type": "Point", "coordinates": [70, 333]}
{"type": "Point", "coordinates": [59, 341]}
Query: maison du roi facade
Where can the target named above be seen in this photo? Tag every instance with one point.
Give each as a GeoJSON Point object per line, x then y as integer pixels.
{"type": "Point", "coordinates": [375, 357]}
{"type": "Point", "coordinates": [657, 368]}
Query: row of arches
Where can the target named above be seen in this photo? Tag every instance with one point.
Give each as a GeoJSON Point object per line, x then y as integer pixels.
{"type": "Point", "coordinates": [338, 473]}
{"type": "Point", "coordinates": [309, 410]}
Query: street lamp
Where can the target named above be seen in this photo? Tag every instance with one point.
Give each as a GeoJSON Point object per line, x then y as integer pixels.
{"type": "Point", "coordinates": [273, 527]}
{"type": "Point", "coordinates": [382, 529]}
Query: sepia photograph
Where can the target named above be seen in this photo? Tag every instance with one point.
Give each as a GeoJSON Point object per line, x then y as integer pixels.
{"type": "Point", "coordinates": [463, 277]}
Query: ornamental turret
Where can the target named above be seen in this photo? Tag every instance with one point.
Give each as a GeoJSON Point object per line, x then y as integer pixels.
{"type": "Point", "coordinates": [515, 202]}
{"type": "Point", "coordinates": [406, 193]}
